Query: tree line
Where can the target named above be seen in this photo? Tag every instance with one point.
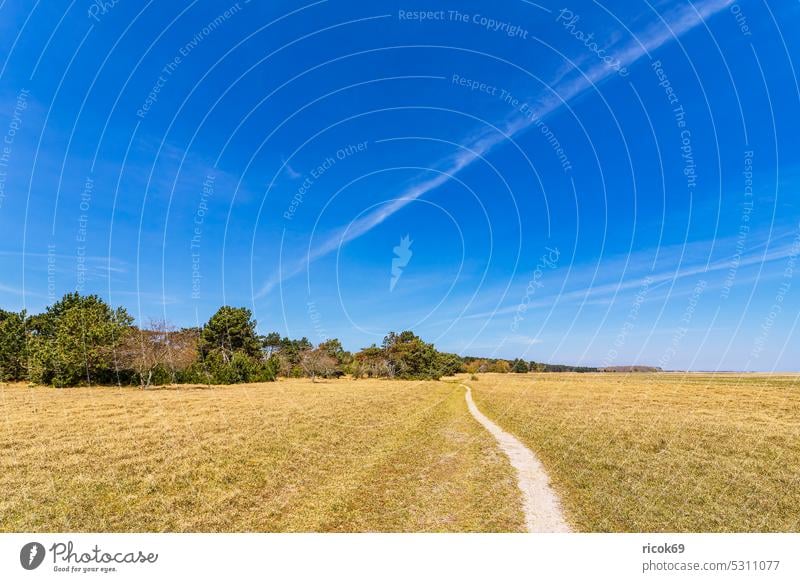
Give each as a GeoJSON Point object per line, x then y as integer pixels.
{"type": "Point", "coordinates": [81, 340]}
{"type": "Point", "coordinates": [474, 365]}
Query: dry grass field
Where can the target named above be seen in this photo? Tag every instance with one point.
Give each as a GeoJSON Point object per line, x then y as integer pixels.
{"type": "Point", "coordinates": [659, 452]}
{"type": "Point", "coordinates": [285, 456]}
{"type": "Point", "coordinates": [626, 452]}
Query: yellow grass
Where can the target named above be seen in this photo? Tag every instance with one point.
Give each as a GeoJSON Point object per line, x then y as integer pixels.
{"type": "Point", "coordinates": [626, 452]}
{"type": "Point", "coordinates": [659, 452]}
{"type": "Point", "coordinates": [288, 456]}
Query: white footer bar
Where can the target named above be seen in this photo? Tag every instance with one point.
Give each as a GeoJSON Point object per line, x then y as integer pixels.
{"type": "Point", "coordinates": [374, 557]}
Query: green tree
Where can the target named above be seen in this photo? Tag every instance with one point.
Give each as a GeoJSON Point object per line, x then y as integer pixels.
{"type": "Point", "coordinates": [291, 350]}
{"type": "Point", "coordinates": [519, 366]}
{"type": "Point", "coordinates": [536, 366]}
{"type": "Point", "coordinates": [333, 347]}
{"type": "Point", "coordinates": [13, 346]}
{"type": "Point", "coordinates": [231, 351]}
{"type": "Point", "coordinates": [271, 343]}
{"type": "Point", "coordinates": [450, 364]}
{"type": "Point", "coordinates": [411, 358]}
{"type": "Point", "coordinates": [371, 362]}
{"type": "Point", "coordinates": [75, 340]}
{"type": "Point", "coordinates": [230, 330]}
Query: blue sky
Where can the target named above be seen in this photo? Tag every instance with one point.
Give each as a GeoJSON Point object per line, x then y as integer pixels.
{"type": "Point", "coordinates": [588, 183]}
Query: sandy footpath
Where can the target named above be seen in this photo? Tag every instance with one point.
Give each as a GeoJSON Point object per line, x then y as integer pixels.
{"type": "Point", "coordinates": [540, 503]}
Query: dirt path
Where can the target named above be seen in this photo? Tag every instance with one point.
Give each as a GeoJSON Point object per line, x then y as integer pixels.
{"type": "Point", "coordinates": [540, 503]}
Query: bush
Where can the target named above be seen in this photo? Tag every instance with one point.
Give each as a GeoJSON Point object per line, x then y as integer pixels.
{"type": "Point", "coordinates": [196, 373]}
{"type": "Point", "coordinates": [238, 369]}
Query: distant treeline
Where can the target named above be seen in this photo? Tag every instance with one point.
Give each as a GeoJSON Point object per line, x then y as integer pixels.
{"type": "Point", "coordinates": [81, 340]}
{"type": "Point", "coordinates": [474, 365]}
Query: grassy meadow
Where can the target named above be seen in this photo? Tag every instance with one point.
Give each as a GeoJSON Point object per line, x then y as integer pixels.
{"type": "Point", "coordinates": [626, 452]}
{"type": "Point", "coordinates": [366, 455]}
{"type": "Point", "coordinates": [659, 452]}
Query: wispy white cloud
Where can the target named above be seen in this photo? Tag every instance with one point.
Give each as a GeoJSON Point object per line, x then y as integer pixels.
{"type": "Point", "coordinates": [652, 280]}
{"type": "Point", "coordinates": [676, 23]}
{"type": "Point", "coordinates": [11, 290]}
